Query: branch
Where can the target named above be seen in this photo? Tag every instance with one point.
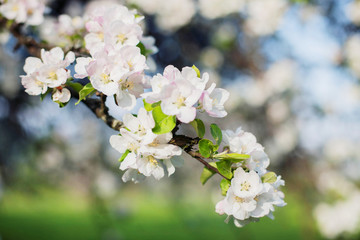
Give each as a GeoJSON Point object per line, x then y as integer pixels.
{"type": "Point", "coordinates": [198, 157]}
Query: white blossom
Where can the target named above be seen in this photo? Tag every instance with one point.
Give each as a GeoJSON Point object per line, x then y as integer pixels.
{"type": "Point", "coordinates": [177, 91]}
{"type": "Point", "coordinates": [62, 95]}
{"type": "Point", "coordinates": [248, 198]}
{"type": "Point", "coordinates": [24, 11]}
{"type": "Point", "coordinates": [213, 100]}
{"type": "Point", "coordinates": [147, 153]}
{"type": "Point", "coordinates": [64, 31]}
{"type": "Point", "coordinates": [49, 71]}
{"type": "Point", "coordinates": [118, 72]}
{"type": "Point", "coordinates": [112, 26]}
{"type": "Point", "coordinates": [241, 142]}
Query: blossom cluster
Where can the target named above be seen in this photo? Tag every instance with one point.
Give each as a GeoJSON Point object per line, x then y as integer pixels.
{"type": "Point", "coordinates": [116, 66]}
{"type": "Point", "coordinates": [30, 12]}
{"type": "Point", "coordinates": [181, 93]}
{"type": "Point", "coordinates": [252, 193]}
{"type": "Point", "coordinates": [48, 72]}
{"type": "Point", "coordinates": [64, 31]}
{"type": "Point", "coordinates": [144, 152]}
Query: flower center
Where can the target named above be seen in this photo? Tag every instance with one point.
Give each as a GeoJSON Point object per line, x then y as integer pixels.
{"type": "Point", "coordinates": [154, 143]}
{"type": "Point", "coordinates": [15, 8]}
{"type": "Point", "coordinates": [133, 147]}
{"type": "Point", "coordinates": [105, 78]}
{"type": "Point", "coordinates": [238, 199]}
{"type": "Point", "coordinates": [128, 85]}
{"type": "Point", "coordinates": [53, 76]}
{"type": "Point", "coordinates": [180, 101]}
{"type": "Point", "coordinates": [245, 186]}
{"type": "Point", "coordinates": [100, 35]}
{"type": "Point", "coordinates": [121, 38]}
{"type": "Point", "coordinates": [130, 64]}
{"type": "Point", "coordinates": [152, 160]}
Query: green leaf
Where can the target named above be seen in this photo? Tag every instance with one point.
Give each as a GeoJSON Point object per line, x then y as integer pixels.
{"type": "Point", "coordinates": [75, 86]}
{"type": "Point", "coordinates": [197, 71]}
{"type": "Point", "coordinates": [224, 168]}
{"type": "Point", "coordinates": [199, 127]}
{"type": "Point", "coordinates": [216, 133]}
{"type": "Point", "coordinates": [149, 107]}
{"type": "Point", "coordinates": [42, 96]}
{"type": "Point", "coordinates": [85, 91]}
{"type": "Point", "coordinates": [224, 185]}
{"type": "Point", "coordinates": [234, 157]}
{"type": "Point", "coordinates": [269, 177]}
{"type": "Point", "coordinates": [205, 148]}
{"type": "Point", "coordinates": [163, 122]}
{"type": "Point", "coordinates": [207, 173]}
{"type": "Point", "coordinates": [143, 50]}
{"type": "Point", "coordinates": [124, 155]}
{"type": "Point", "coordinates": [61, 104]}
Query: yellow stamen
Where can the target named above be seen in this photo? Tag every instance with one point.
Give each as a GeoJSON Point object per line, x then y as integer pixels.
{"type": "Point", "coordinates": [245, 186]}
{"type": "Point", "coordinates": [152, 160]}
{"type": "Point", "coordinates": [101, 36]}
{"type": "Point", "coordinates": [238, 199]}
{"type": "Point", "coordinates": [180, 101]}
{"type": "Point", "coordinates": [53, 76]}
{"type": "Point", "coordinates": [121, 37]}
{"type": "Point", "coordinates": [105, 78]}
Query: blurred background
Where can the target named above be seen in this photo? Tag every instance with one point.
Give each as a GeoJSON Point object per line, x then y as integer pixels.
{"type": "Point", "coordinates": [292, 68]}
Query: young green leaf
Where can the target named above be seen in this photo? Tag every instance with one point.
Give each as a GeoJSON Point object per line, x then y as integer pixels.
{"type": "Point", "coordinates": [224, 185]}
{"type": "Point", "coordinates": [124, 155]}
{"type": "Point", "coordinates": [234, 157]}
{"type": "Point", "coordinates": [150, 106]}
{"type": "Point", "coordinates": [143, 50]}
{"type": "Point", "coordinates": [269, 177]}
{"type": "Point", "coordinates": [75, 86]}
{"type": "Point", "coordinates": [224, 168]}
{"type": "Point", "coordinates": [163, 122]}
{"type": "Point", "coordinates": [199, 127]}
{"type": "Point", "coordinates": [197, 71]}
{"type": "Point", "coordinates": [216, 133]}
{"type": "Point", "coordinates": [206, 148]}
{"type": "Point", "coordinates": [85, 91]}
{"type": "Point", "coordinates": [207, 173]}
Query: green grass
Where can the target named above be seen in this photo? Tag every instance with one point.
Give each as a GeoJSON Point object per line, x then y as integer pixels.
{"type": "Point", "coordinates": [59, 215]}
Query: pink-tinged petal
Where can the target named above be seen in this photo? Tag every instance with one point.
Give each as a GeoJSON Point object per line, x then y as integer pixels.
{"type": "Point", "coordinates": [219, 208]}
{"type": "Point", "coordinates": [80, 67]}
{"type": "Point", "coordinates": [189, 73]}
{"type": "Point", "coordinates": [32, 64]}
{"type": "Point", "coordinates": [171, 72]}
{"type": "Point", "coordinates": [56, 54]}
{"type": "Point", "coordinates": [93, 26]}
{"type": "Point", "coordinates": [33, 86]}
